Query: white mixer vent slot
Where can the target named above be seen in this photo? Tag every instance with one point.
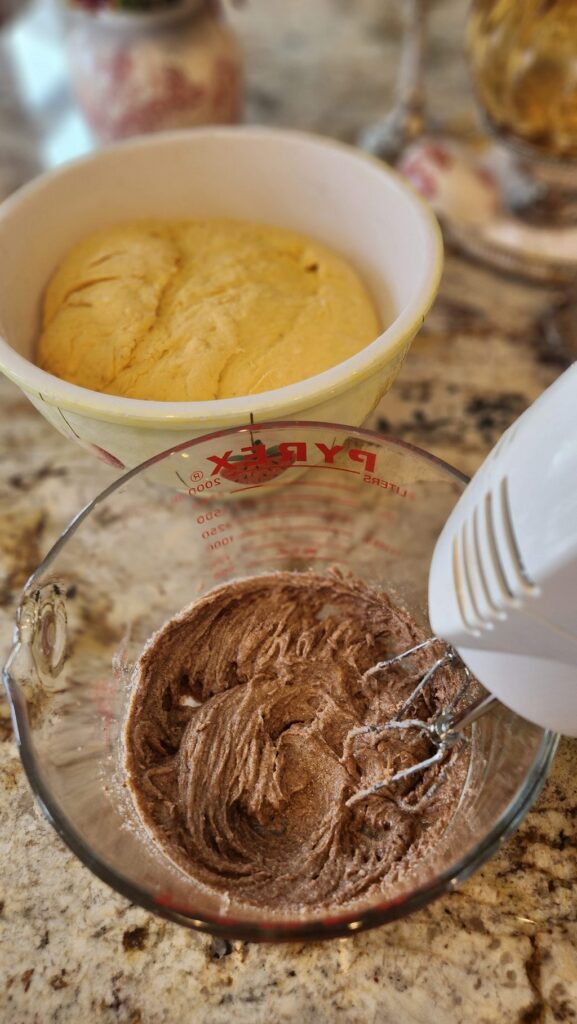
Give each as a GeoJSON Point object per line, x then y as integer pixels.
{"type": "Point", "coordinates": [502, 596]}
{"type": "Point", "coordinates": [502, 569]}
{"type": "Point", "coordinates": [523, 581]}
{"type": "Point", "coordinates": [490, 604]}
{"type": "Point", "coordinates": [463, 585]}
{"type": "Point", "coordinates": [478, 605]}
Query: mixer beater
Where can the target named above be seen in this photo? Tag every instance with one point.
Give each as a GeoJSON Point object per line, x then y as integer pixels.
{"type": "Point", "coordinates": [446, 730]}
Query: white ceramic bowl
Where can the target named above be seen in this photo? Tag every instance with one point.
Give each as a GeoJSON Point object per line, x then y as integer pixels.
{"type": "Point", "coordinates": [310, 184]}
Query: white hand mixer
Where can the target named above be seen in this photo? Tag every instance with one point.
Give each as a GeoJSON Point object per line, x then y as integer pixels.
{"type": "Point", "coordinates": [503, 582]}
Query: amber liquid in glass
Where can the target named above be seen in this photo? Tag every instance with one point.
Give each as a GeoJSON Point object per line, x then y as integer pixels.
{"type": "Point", "coordinates": [524, 63]}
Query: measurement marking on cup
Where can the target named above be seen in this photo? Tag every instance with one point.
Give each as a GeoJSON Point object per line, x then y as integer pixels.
{"type": "Point", "coordinates": [258, 563]}
{"type": "Point", "coordinates": [375, 481]}
{"type": "Point", "coordinates": [313, 488]}
{"type": "Point", "coordinates": [280, 515]}
{"type": "Point", "coordinates": [221, 543]}
{"type": "Point", "coordinates": [331, 487]}
{"type": "Point", "coordinates": [389, 485]}
{"type": "Point", "coordinates": [302, 511]}
{"type": "Point", "coordinates": [381, 545]}
{"type": "Point", "coordinates": [328, 531]}
{"type": "Point", "coordinates": [213, 531]}
{"type": "Point", "coordinates": [205, 517]}
{"type": "Point", "coordinates": [386, 513]}
{"type": "Point", "coordinates": [206, 486]}
{"type": "Point", "coordinates": [334, 504]}
{"type": "Point", "coordinates": [278, 547]}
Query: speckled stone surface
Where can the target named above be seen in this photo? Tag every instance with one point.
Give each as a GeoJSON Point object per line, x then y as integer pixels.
{"type": "Point", "coordinates": [500, 950]}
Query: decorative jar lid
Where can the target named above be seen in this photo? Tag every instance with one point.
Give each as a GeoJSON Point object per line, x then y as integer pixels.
{"type": "Point", "coordinates": [129, 14]}
{"type": "Point", "coordinates": [137, 7]}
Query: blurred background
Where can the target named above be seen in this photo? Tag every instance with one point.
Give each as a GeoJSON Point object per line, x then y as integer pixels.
{"type": "Point", "coordinates": [325, 65]}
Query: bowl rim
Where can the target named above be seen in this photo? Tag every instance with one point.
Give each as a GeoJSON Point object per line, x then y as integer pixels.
{"type": "Point", "coordinates": [335, 926]}
{"type": "Point", "coordinates": [389, 345]}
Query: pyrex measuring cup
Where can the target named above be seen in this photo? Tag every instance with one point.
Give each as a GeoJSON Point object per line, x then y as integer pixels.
{"type": "Point", "coordinates": [281, 496]}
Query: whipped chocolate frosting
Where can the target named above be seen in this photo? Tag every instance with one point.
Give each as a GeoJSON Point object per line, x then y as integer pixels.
{"type": "Point", "coordinates": [238, 752]}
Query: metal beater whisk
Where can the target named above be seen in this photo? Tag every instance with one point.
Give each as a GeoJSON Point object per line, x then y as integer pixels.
{"type": "Point", "coordinates": [445, 729]}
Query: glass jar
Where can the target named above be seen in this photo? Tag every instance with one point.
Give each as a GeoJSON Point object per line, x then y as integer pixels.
{"type": "Point", "coordinates": [524, 64]}
{"type": "Point", "coordinates": [148, 551]}
{"type": "Point", "coordinates": [139, 72]}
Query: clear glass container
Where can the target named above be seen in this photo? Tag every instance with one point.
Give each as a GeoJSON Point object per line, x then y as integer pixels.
{"type": "Point", "coordinates": [524, 66]}
{"type": "Point", "coordinates": [523, 61]}
{"type": "Point", "coordinates": [251, 500]}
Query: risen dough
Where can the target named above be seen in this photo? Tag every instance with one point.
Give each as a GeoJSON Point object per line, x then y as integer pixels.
{"type": "Point", "coordinates": [201, 309]}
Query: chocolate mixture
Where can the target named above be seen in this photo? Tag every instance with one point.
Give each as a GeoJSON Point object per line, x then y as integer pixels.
{"type": "Point", "coordinates": [237, 745]}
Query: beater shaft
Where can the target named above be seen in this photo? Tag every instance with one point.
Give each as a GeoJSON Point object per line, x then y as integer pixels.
{"type": "Point", "coordinates": [445, 730]}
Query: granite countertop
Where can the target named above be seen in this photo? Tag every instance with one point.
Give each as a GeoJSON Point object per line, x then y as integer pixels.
{"type": "Point", "coordinates": [499, 950]}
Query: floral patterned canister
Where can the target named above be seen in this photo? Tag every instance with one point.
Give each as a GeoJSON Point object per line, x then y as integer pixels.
{"type": "Point", "coordinates": [141, 66]}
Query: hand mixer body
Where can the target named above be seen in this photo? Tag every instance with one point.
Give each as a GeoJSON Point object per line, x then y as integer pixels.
{"type": "Point", "coordinates": [503, 578]}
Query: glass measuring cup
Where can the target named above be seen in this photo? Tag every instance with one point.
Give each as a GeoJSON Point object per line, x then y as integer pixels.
{"type": "Point", "coordinates": [256, 499]}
